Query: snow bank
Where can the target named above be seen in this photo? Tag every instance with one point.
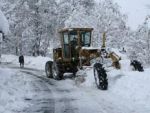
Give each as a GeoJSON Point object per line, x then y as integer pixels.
{"type": "Point", "coordinates": [133, 86]}
{"type": "Point", "coordinates": [126, 87]}
{"type": "Point", "coordinates": [33, 62]}
{"type": "Point", "coordinates": [10, 59]}
{"type": "Point", "coordinates": [4, 26]}
{"type": "Point", "coordinates": [36, 62]}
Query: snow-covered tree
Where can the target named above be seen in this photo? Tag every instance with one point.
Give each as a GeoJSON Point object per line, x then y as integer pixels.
{"type": "Point", "coordinates": [139, 45]}
{"type": "Point", "coordinates": [103, 17]}
{"type": "Point", "coordinates": [34, 24]}
{"type": "Point", "coordinates": [4, 28]}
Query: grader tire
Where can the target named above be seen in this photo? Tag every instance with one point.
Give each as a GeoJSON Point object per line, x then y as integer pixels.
{"type": "Point", "coordinates": [56, 72]}
{"type": "Point", "coordinates": [48, 69]}
{"type": "Point", "coordinates": [100, 77]}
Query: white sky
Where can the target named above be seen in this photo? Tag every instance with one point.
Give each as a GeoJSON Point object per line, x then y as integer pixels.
{"type": "Point", "coordinates": [136, 11]}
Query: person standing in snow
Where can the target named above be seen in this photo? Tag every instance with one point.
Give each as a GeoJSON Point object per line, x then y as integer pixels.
{"type": "Point", "coordinates": [21, 61]}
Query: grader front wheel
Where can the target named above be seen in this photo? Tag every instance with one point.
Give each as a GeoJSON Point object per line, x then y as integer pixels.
{"type": "Point", "coordinates": [100, 77]}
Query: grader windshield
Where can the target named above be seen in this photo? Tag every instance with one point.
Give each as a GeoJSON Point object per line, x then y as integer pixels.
{"type": "Point", "coordinates": [74, 38]}
{"type": "Point", "coordinates": [85, 38]}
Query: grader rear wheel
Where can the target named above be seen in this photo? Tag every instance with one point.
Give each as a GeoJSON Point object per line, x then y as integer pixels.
{"type": "Point", "coordinates": [48, 69]}
{"type": "Point", "coordinates": [57, 74]}
{"type": "Point", "coordinates": [100, 77]}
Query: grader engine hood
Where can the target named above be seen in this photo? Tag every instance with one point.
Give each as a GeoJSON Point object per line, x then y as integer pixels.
{"type": "Point", "coordinates": [86, 54]}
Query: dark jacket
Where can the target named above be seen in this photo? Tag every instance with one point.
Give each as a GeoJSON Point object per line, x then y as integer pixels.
{"type": "Point", "coordinates": [21, 59]}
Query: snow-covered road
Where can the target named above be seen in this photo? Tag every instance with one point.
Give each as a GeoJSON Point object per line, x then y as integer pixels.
{"type": "Point", "coordinates": [36, 93]}
{"type": "Point", "coordinates": [28, 90]}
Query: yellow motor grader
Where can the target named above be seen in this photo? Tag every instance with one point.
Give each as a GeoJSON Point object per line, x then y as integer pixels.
{"type": "Point", "coordinates": [76, 52]}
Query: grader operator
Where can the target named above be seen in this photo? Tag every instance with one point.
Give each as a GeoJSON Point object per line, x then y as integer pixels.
{"type": "Point", "coordinates": [75, 53]}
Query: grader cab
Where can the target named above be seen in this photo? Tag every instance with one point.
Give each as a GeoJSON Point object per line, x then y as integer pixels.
{"type": "Point", "coordinates": [74, 54]}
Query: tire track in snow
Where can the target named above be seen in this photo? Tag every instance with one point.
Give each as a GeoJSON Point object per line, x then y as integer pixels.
{"type": "Point", "coordinates": [57, 103]}
{"type": "Point", "coordinates": [63, 104]}
{"type": "Point", "coordinates": [42, 100]}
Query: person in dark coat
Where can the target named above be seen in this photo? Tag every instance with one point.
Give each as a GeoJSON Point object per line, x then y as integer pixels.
{"type": "Point", "coordinates": [21, 61]}
{"type": "Point", "coordinates": [137, 65]}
